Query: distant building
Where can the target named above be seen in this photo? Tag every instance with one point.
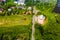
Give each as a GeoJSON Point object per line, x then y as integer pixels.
{"type": "Point", "coordinates": [22, 2]}
{"type": "Point", "coordinates": [58, 3]}
{"type": "Point", "coordinates": [57, 8]}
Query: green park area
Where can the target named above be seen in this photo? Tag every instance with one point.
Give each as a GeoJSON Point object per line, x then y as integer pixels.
{"type": "Point", "coordinates": [14, 26]}
{"type": "Point", "coordinates": [51, 30]}
{"type": "Point", "coordinates": [16, 20]}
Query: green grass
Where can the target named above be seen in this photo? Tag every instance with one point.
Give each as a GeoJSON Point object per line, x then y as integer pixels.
{"type": "Point", "coordinates": [14, 31]}
{"type": "Point", "coordinates": [14, 26]}
{"type": "Point", "coordinates": [51, 30]}
{"type": "Point", "coordinates": [14, 20]}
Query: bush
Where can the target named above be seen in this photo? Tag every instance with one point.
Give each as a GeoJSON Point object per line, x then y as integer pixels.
{"type": "Point", "coordinates": [58, 18]}
{"type": "Point", "coordinates": [13, 33]}
{"type": "Point", "coordinates": [38, 32]}
{"type": "Point", "coordinates": [51, 31]}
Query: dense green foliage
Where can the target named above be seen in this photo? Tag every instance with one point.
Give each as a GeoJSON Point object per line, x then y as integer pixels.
{"type": "Point", "coordinates": [8, 5]}
{"type": "Point", "coordinates": [51, 30]}
{"type": "Point", "coordinates": [46, 6]}
{"type": "Point", "coordinates": [13, 33]}
{"type": "Point", "coordinates": [28, 2]}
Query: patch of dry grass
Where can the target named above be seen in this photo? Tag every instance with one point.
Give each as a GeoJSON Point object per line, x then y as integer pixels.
{"type": "Point", "coordinates": [15, 20]}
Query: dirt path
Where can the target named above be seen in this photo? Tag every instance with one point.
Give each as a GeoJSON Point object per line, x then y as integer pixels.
{"type": "Point", "coordinates": [33, 27]}
{"type": "Point", "coordinates": [33, 23]}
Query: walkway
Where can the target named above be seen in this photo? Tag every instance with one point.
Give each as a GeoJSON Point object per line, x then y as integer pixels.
{"type": "Point", "coordinates": [33, 27]}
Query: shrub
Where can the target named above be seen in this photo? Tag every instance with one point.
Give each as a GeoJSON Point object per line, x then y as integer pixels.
{"type": "Point", "coordinates": [58, 18]}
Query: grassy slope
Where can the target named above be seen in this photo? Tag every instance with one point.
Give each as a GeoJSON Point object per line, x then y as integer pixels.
{"type": "Point", "coordinates": [15, 20]}
{"type": "Point", "coordinates": [15, 25]}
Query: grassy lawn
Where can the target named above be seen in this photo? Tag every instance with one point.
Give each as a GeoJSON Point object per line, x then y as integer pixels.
{"type": "Point", "coordinates": [15, 26]}
{"type": "Point", "coordinates": [14, 20]}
